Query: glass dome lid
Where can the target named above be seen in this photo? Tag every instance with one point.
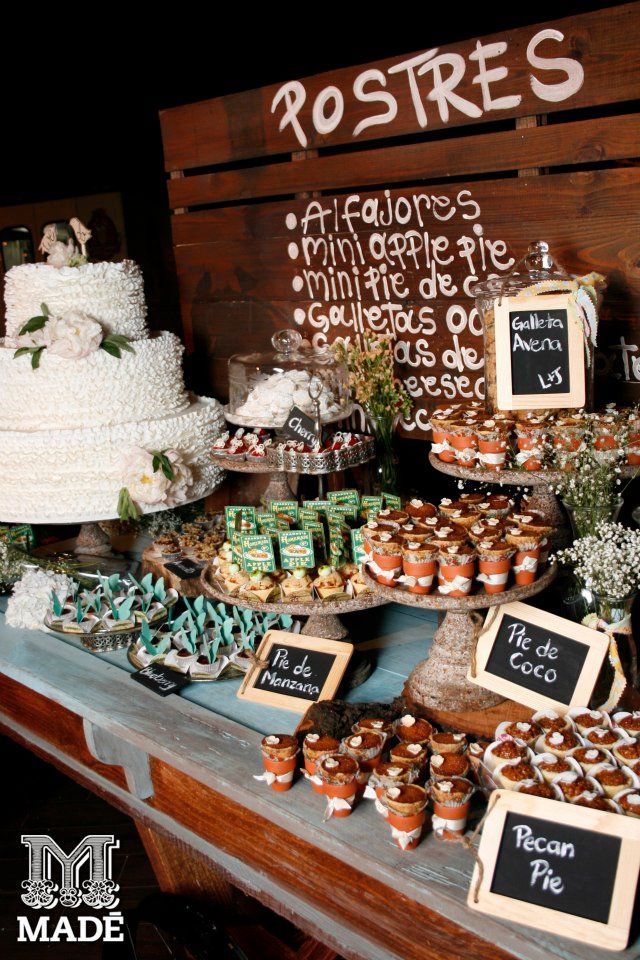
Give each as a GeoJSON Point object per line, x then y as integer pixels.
{"type": "Point", "coordinates": [536, 266]}
{"type": "Point", "coordinates": [264, 387]}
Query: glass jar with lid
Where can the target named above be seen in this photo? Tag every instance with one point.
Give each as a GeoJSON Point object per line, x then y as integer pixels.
{"type": "Point", "coordinates": [263, 387]}
{"type": "Point", "coordinates": [539, 275]}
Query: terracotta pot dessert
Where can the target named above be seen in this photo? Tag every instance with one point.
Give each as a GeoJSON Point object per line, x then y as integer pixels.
{"type": "Point", "coordinates": [374, 527]}
{"type": "Point", "coordinates": [440, 431]}
{"type": "Point", "coordinates": [572, 785]}
{"type": "Point", "coordinates": [419, 567]}
{"type": "Point", "coordinates": [552, 767]}
{"type": "Point", "coordinates": [410, 729]}
{"type": "Point", "coordinates": [374, 723]}
{"type": "Point", "coordinates": [420, 509]}
{"type": "Point", "coordinates": [533, 522]}
{"type": "Point", "coordinates": [496, 505]}
{"type": "Point", "coordinates": [405, 813]}
{"type": "Point", "coordinates": [492, 445]}
{"type": "Point", "coordinates": [509, 774]}
{"type": "Point", "coordinates": [395, 516]}
{"type": "Point", "coordinates": [612, 779]}
{"type": "Point", "coordinates": [448, 742]}
{"type": "Point", "coordinates": [535, 788]}
{"type": "Point", "coordinates": [451, 802]}
{"type": "Point", "coordinates": [487, 528]}
{"type": "Point", "coordinates": [456, 570]}
{"type": "Point", "coordinates": [388, 775]}
{"type": "Point", "coordinates": [409, 754]}
{"type": "Point", "coordinates": [445, 533]}
{"type": "Point", "coordinates": [590, 757]}
{"type": "Point", "coordinates": [462, 438]}
{"type": "Point", "coordinates": [366, 747]}
{"type": "Point", "coordinates": [627, 753]}
{"type": "Point", "coordinates": [585, 720]}
{"type": "Point", "coordinates": [315, 748]}
{"type": "Point", "coordinates": [415, 530]}
{"type": "Point", "coordinates": [279, 753]}
{"type": "Point", "coordinates": [531, 438]}
{"type": "Point", "coordinates": [338, 773]}
{"type": "Point", "coordinates": [527, 555]}
{"type": "Point", "coordinates": [549, 720]}
{"type": "Point", "coordinates": [494, 564]}
{"type": "Point", "coordinates": [558, 742]}
{"type": "Point", "coordinates": [386, 552]}
{"type": "Point", "coordinates": [629, 801]}
{"type": "Point", "coordinates": [629, 722]}
{"type": "Point", "coordinates": [446, 765]}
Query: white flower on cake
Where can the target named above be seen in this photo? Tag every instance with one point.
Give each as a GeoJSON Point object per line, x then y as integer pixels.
{"type": "Point", "coordinates": [31, 598]}
{"type": "Point", "coordinates": [153, 477]}
{"type": "Point", "coordinates": [73, 335]}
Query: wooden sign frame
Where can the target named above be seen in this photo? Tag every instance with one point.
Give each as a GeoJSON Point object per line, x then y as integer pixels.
{"type": "Point", "coordinates": [612, 935]}
{"type": "Point", "coordinates": [337, 648]}
{"type": "Point", "coordinates": [506, 399]}
{"type": "Point", "coordinates": [597, 642]}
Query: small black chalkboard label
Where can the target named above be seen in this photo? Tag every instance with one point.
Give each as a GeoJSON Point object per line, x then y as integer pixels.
{"type": "Point", "coordinates": [160, 679]}
{"type": "Point", "coordinates": [539, 352]}
{"type": "Point", "coordinates": [538, 658]}
{"type": "Point", "coordinates": [185, 569]}
{"type": "Point", "coordinates": [534, 657]}
{"type": "Point", "coordinates": [296, 672]}
{"type": "Point", "coordinates": [302, 670]}
{"type": "Point", "coordinates": [557, 866]}
{"type": "Point", "coordinates": [299, 426]}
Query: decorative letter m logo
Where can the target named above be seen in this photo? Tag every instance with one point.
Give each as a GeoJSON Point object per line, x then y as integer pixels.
{"type": "Point", "coordinates": [46, 858]}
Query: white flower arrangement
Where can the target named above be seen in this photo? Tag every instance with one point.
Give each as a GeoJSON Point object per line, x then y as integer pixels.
{"type": "Point", "coordinates": [71, 335]}
{"type": "Point", "coordinates": [150, 477]}
{"type": "Point", "coordinates": [31, 597]}
{"type": "Point", "coordinates": [606, 562]}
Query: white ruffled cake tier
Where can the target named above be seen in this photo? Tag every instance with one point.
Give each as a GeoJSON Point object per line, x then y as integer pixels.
{"type": "Point", "coordinates": [111, 293]}
{"type": "Point", "coordinates": [75, 476]}
{"type": "Point", "coordinates": [92, 391]}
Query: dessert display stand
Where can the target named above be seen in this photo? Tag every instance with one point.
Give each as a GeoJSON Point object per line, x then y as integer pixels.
{"type": "Point", "coordinates": [542, 482]}
{"type": "Point", "coordinates": [442, 677]}
{"type": "Point", "coordinates": [278, 487]}
{"type": "Point", "coordinates": [323, 616]}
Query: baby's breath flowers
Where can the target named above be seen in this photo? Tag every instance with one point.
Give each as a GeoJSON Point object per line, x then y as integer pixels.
{"type": "Point", "coordinates": [606, 562]}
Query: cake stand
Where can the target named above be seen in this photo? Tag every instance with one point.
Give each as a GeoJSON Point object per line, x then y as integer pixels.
{"type": "Point", "coordinates": [278, 487]}
{"type": "Point", "coordinates": [542, 482]}
{"type": "Point", "coordinates": [240, 421]}
{"type": "Point", "coordinates": [323, 616]}
{"type": "Point", "coordinates": [442, 677]}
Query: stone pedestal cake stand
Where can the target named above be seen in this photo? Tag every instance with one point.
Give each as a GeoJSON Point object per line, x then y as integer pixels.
{"type": "Point", "coordinates": [439, 685]}
{"type": "Point", "coordinates": [323, 616]}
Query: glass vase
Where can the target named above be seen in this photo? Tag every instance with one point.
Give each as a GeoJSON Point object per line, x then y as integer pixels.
{"type": "Point", "coordinates": [383, 430]}
{"type": "Point", "coordinates": [585, 518]}
{"type": "Point", "coordinates": [616, 613]}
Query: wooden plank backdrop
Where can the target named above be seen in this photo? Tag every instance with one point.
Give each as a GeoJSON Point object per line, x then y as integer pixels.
{"type": "Point", "coordinates": [361, 210]}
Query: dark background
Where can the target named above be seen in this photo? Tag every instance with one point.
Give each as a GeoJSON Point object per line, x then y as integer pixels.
{"type": "Point", "coordinates": [82, 86]}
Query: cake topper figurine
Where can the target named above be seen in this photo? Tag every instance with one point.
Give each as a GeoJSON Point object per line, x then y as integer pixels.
{"type": "Point", "coordinates": [83, 234]}
{"type": "Point", "coordinates": [49, 237]}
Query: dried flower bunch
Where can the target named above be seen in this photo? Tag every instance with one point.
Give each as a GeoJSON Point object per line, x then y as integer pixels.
{"type": "Point", "coordinates": [607, 561]}
{"type": "Point", "coordinates": [372, 377]}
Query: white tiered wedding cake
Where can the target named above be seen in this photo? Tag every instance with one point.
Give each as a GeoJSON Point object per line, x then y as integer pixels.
{"type": "Point", "coordinates": [94, 416]}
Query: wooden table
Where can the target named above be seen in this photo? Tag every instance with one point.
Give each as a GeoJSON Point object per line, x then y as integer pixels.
{"type": "Point", "coordinates": [184, 771]}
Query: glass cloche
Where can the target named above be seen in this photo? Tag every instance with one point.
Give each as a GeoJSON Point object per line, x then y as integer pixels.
{"type": "Point", "coordinates": [263, 387]}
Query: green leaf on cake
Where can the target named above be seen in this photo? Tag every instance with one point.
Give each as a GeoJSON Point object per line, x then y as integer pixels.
{"type": "Point", "coordinates": [161, 462]}
{"type": "Point", "coordinates": [45, 310]}
{"type": "Point", "coordinates": [20, 352]}
{"type": "Point", "coordinates": [127, 509]}
{"type": "Point", "coordinates": [36, 353]}
{"type": "Point", "coordinates": [115, 343]}
{"type": "Point", "coordinates": [36, 323]}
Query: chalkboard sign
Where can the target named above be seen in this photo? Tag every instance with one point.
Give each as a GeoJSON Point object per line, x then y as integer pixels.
{"type": "Point", "coordinates": [301, 670]}
{"type": "Point", "coordinates": [185, 568]}
{"type": "Point", "coordinates": [565, 869]}
{"type": "Point", "coordinates": [161, 679]}
{"type": "Point", "coordinates": [299, 426]}
{"type": "Point", "coordinates": [539, 659]}
{"type": "Point", "coordinates": [540, 354]}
